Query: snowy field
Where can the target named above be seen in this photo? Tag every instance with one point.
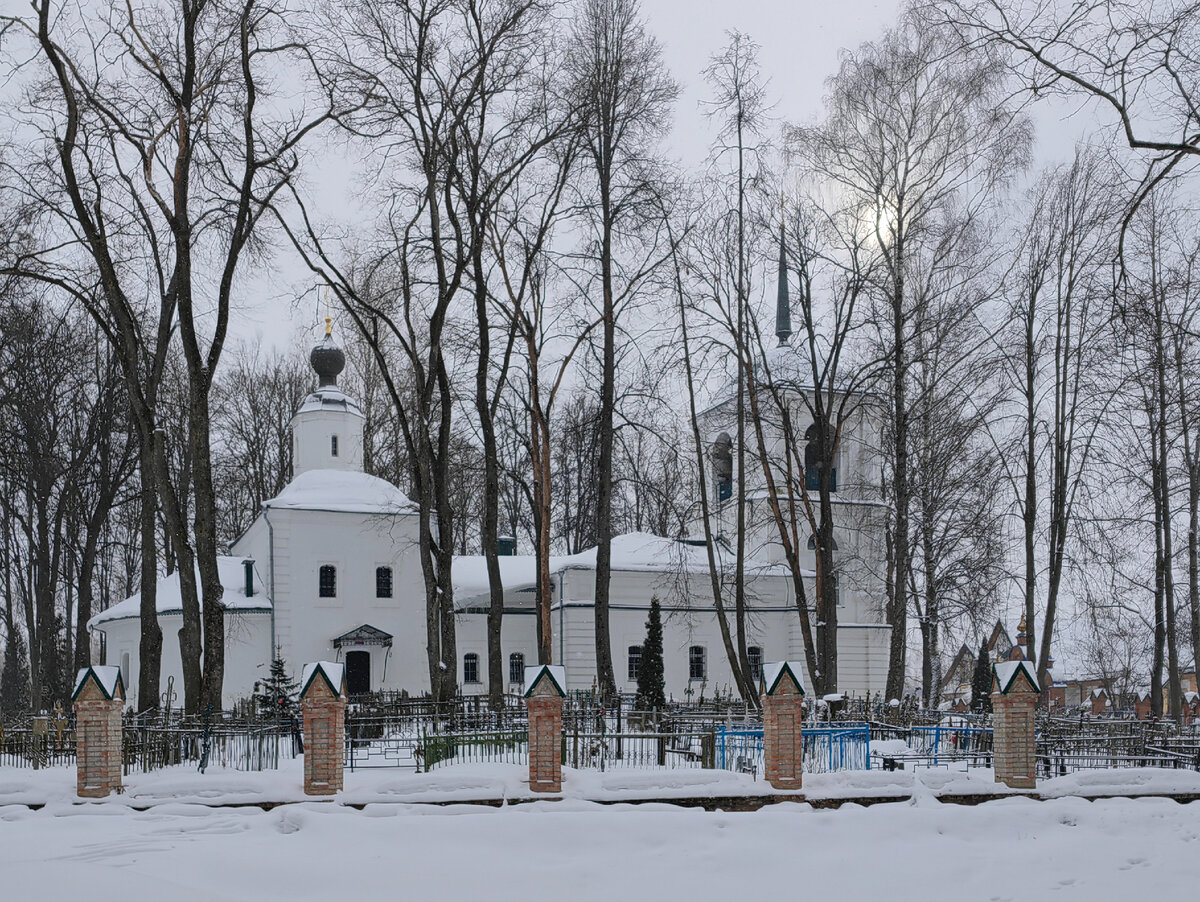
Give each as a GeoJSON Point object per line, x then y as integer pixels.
{"type": "Point", "coordinates": [1013, 848]}
{"type": "Point", "coordinates": [919, 849]}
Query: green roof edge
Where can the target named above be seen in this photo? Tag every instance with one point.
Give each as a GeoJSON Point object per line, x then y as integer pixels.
{"type": "Point", "coordinates": [318, 669]}
{"type": "Point", "coordinates": [99, 684]}
{"type": "Point", "coordinates": [786, 668]}
{"type": "Point", "coordinates": [1017, 671]}
{"type": "Point", "coordinates": [546, 671]}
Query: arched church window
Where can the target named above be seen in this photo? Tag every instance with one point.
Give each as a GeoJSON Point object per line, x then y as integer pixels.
{"type": "Point", "coordinates": [516, 667]}
{"type": "Point", "coordinates": [470, 667]}
{"type": "Point", "coordinates": [327, 581]}
{"type": "Point", "coordinates": [383, 582]}
{"type": "Point", "coordinates": [333, 446]}
{"type": "Point", "coordinates": [813, 462]}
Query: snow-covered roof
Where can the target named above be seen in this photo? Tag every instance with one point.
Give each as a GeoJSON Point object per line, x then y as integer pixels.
{"type": "Point", "coordinates": [341, 490]}
{"type": "Point", "coordinates": [556, 673]}
{"type": "Point", "coordinates": [169, 598]}
{"type": "Point", "coordinates": [1007, 672]}
{"type": "Point", "coordinates": [333, 673]}
{"type": "Point", "coordinates": [631, 552]}
{"type": "Point", "coordinates": [108, 678]}
{"type": "Point", "coordinates": [774, 672]}
{"type": "Point", "coordinates": [328, 397]}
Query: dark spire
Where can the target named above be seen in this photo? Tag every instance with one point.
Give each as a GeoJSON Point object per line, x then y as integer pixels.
{"type": "Point", "coordinates": [783, 307]}
{"type": "Point", "coordinates": [327, 358]}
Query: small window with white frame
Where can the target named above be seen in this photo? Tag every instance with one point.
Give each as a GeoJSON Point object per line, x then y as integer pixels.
{"type": "Point", "coordinates": [327, 581]}
{"type": "Point", "coordinates": [697, 663]}
{"type": "Point", "coordinates": [634, 663]}
{"type": "Point", "coordinates": [470, 667]}
{"type": "Point", "coordinates": [755, 656]}
{"type": "Point", "coordinates": [516, 668]}
{"type": "Point", "coordinates": [383, 582]}
{"type": "Point", "coordinates": [333, 446]}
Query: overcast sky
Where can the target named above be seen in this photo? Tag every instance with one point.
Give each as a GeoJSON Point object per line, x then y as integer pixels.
{"type": "Point", "coordinates": [800, 44]}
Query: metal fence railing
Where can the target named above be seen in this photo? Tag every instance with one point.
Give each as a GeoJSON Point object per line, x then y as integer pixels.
{"type": "Point", "coordinates": [419, 734]}
{"type": "Point", "coordinates": [27, 747]}
{"type": "Point", "coordinates": [826, 749]}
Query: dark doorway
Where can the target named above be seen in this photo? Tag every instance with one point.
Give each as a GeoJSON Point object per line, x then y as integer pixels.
{"type": "Point", "coordinates": [358, 672]}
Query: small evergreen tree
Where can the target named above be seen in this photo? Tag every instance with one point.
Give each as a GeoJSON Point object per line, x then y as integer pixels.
{"type": "Point", "coordinates": [14, 679]}
{"type": "Point", "coordinates": [277, 695]}
{"type": "Point", "coordinates": [651, 690]}
{"type": "Point", "coordinates": [981, 683]}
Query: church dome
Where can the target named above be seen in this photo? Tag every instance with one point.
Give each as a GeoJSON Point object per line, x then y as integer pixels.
{"type": "Point", "coordinates": [327, 358]}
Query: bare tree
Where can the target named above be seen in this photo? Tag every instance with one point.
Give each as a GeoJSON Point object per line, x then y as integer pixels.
{"type": "Point", "coordinates": [1136, 58]}
{"type": "Point", "coordinates": [431, 85]}
{"type": "Point", "coordinates": [1156, 294]}
{"type": "Point", "coordinates": [1052, 349]}
{"type": "Point", "coordinates": [958, 558]}
{"type": "Point", "coordinates": [624, 95]}
{"type": "Point", "coordinates": [521, 239]}
{"type": "Point", "coordinates": [740, 108]}
{"type": "Point", "coordinates": [164, 148]}
{"type": "Point", "coordinates": [254, 400]}
{"type": "Point", "coordinates": [921, 138]}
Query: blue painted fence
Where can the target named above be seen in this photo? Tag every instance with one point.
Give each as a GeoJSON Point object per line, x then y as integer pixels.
{"type": "Point", "coordinates": [826, 749]}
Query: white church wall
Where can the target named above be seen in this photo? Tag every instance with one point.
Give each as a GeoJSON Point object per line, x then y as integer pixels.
{"type": "Point", "coordinates": [313, 441]}
{"type": "Point", "coordinates": [518, 635]}
{"type": "Point", "coordinates": [355, 544]}
{"type": "Point", "coordinates": [247, 654]}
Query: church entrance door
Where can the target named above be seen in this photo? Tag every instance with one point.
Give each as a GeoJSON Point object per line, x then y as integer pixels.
{"type": "Point", "coordinates": [358, 672]}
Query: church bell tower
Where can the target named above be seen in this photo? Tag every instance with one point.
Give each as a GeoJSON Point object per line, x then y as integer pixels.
{"type": "Point", "coordinates": [327, 430]}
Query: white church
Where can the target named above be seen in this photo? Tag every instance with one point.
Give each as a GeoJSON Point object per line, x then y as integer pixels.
{"type": "Point", "coordinates": [330, 571]}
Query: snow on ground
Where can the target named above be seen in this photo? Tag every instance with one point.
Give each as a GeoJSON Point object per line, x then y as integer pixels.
{"type": "Point", "coordinates": [491, 782]}
{"type": "Point", "coordinates": [1013, 848]}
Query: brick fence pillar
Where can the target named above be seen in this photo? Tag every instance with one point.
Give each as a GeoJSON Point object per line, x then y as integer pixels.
{"type": "Point", "coordinates": [544, 695]}
{"type": "Point", "coordinates": [99, 697]}
{"type": "Point", "coordinates": [323, 702]}
{"type": "Point", "coordinates": [783, 717]}
{"type": "Point", "coordinates": [1014, 697]}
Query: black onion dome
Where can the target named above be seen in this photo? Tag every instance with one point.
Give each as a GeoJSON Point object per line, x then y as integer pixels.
{"type": "Point", "coordinates": [327, 359]}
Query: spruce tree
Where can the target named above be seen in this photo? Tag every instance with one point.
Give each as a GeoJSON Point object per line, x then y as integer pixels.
{"type": "Point", "coordinates": [651, 691]}
{"type": "Point", "coordinates": [981, 683]}
{"type": "Point", "coordinates": [14, 679]}
{"type": "Point", "coordinates": [277, 696]}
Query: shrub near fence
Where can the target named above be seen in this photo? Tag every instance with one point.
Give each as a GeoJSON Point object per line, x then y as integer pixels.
{"type": "Point", "coordinates": [497, 746]}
